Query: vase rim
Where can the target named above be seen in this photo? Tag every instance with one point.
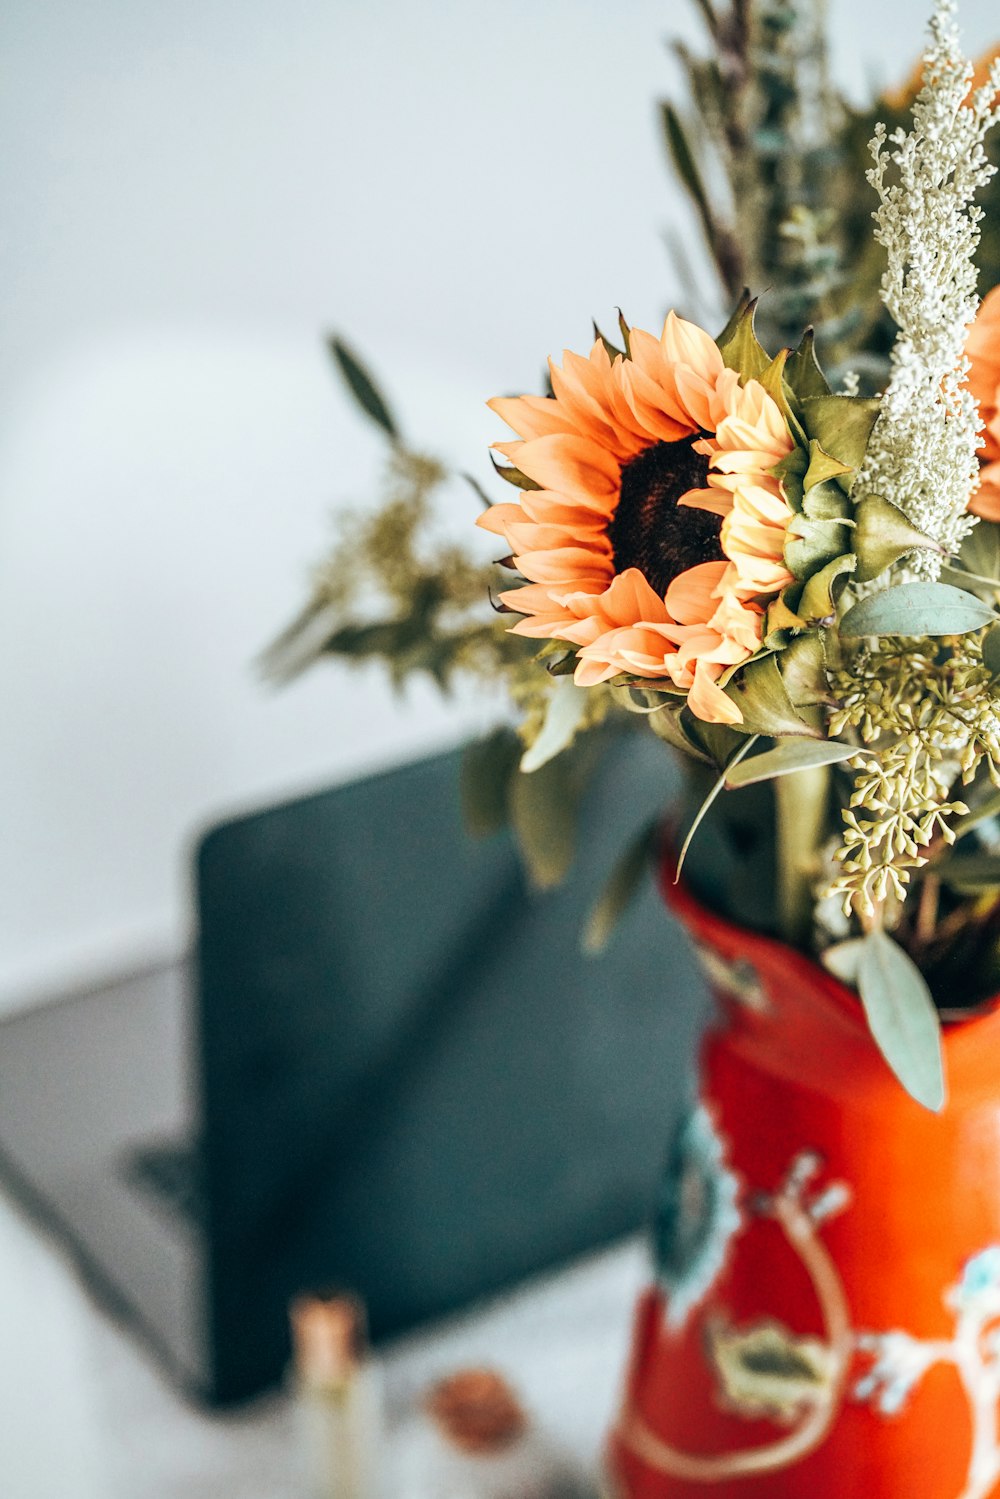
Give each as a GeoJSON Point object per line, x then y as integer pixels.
{"type": "Point", "coordinates": [821, 982]}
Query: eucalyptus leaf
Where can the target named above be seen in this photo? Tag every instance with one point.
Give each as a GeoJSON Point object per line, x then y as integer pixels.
{"type": "Point", "coordinates": [984, 811]}
{"type": "Point", "coordinates": [980, 551]}
{"type": "Point", "coordinates": [970, 873]}
{"type": "Point", "coordinates": [623, 885]}
{"type": "Point", "coordinates": [917, 609]}
{"type": "Point", "coordinates": [991, 651]}
{"type": "Point", "coordinates": [787, 757]}
{"type": "Point", "coordinates": [902, 1018]}
{"type": "Point", "coordinates": [567, 704]}
{"type": "Point", "coordinates": [362, 387]}
{"type": "Point", "coordinates": [843, 960]}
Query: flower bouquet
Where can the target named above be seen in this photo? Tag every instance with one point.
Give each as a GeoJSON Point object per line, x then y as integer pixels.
{"type": "Point", "coordinates": [779, 554]}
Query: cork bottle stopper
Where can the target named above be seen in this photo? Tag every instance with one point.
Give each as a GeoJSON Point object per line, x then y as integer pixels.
{"type": "Point", "coordinates": [329, 1337]}
{"type": "Point", "coordinates": [477, 1412]}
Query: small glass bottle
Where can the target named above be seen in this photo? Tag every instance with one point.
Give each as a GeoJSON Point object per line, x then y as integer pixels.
{"type": "Point", "coordinates": [335, 1382]}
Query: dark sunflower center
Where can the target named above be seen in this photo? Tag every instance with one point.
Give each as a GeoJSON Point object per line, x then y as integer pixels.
{"type": "Point", "coordinates": [649, 530]}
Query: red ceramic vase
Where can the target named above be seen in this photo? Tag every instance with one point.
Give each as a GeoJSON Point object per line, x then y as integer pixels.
{"type": "Point", "coordinates": [825, 1320]}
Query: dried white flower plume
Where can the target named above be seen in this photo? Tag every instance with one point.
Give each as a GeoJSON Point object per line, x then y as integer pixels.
{"type": "Point", "coordinates": [923, 451]}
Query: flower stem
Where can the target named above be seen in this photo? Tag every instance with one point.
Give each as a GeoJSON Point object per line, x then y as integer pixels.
{"type": "Point", "coordinates": [801, 812]}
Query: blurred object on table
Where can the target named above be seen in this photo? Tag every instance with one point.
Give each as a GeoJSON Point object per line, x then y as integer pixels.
{"type": "Point", "coordinates": [393, 1042]}
{"type": "Point", "coordinates": [474, 1440]}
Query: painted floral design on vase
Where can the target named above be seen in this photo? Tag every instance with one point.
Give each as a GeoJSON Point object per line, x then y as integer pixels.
{"type": "Point", "coordinates": [825, 1322]}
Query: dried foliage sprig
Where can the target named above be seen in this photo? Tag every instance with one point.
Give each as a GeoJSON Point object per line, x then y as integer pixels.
{"type": "Point", "coordinates": [923, 451]}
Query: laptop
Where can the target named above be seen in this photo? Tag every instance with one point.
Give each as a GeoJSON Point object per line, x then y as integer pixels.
{"type": "Point", "coordinates": [386, 1065]}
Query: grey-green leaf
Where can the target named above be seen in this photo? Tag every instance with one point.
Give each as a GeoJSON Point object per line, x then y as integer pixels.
{"type": "Point", "coordinates": [362, 387]}
{"type": "Point", "coordinates": [543, 813]}
{"type": "Point", "coordinates": [991, 651]}
{"type": "Point", "coordinates": [623, 885]}
{"type": "Point", "coordinates": [903, 1019]}
{"type": "Point", "coordinates": [917, 609]}
{"type": "Point", "coordinates": [488, 766]}
{"type": "Point", "coordinates": [564, 713]}
{"type": "Point", "coordinates": [789, 756]}
{"type": "Point", "coordinates": [843, 960]}
{"type": "Point", "coordinates": [970, 874]}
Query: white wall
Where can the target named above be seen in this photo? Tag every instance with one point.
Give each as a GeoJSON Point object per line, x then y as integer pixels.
{"type": "Point", "coordinates": [191, 192]}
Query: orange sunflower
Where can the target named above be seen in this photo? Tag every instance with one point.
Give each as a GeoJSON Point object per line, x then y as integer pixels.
{"type": "Point", "coordinates": [657, 528]}
{"type": "Point", "coordinates": [983, 349]}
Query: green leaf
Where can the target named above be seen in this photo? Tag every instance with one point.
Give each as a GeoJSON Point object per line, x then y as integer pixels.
{"type": "Point", "coordinates": [902, 1018]}
{"type": "Point", "coordinates": [841, 425]}
{"type": "Point", "coordinates": [623, 885]}
{"type": "Point", "coordinates": [791, 471]}
{"type": "Point", "coordinates": [686, 167]}
{"type": "Point", "coordinates": [991, 651]}
{"type": "Point", "coordinates": [983, 811]}
{"type": "Point", "coordinates": [970, 873]}
{"type": "Point", "coordinates": [718, 786]}
{"type": "Point", "coordinates": [479, 491]}
{"type": "Point", "coordinates": [803, 371]}
{"type": "Point", "coordinates": [760, 693]}
{"type": "Point", "coordinates": [543, 813]}
{"type": "Point", "coordinates": [513, 475]}
{"type": "Point", "coordinates": [980, 550]}
{"type": "Point", "coordinates": [610, 349]}
{"type": "Point", "coordinates": [882, 535]}
{"type": "Point", "coordinates": [811, 544]}
{"type": "Point", "coordinates": [773, 381]}
{"type": "Point", "coordinates": [362, 387]}
{"type": "Point", "coordinates": [626, 333]}
{"type": "Point", "coordinates": [917, 609]}
{"type": "Point", "coordinates": [803, 670]}
{"type": "Point", "coordinates": [741, 349]}
{"type": "Point", "coordinates": [827, 501]}
{"type": "Point", "coordinates": [670, 726]}
{"type": "Point", "coordinates": [787, 757]}
{"type": "Point", "coordinates": [818, 600]}
{"type": "Point", "coordinates": [564, 713]}
{"type": "Point", "coordinates": [488, 766]}
{"type": "Point", "coordinates": [821, 466]}
{"type": "Point", "coordinates": [745, 302]}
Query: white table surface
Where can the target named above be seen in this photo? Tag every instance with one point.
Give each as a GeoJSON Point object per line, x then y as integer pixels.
{"type": "Point", "coordinates": [84, 1414]}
